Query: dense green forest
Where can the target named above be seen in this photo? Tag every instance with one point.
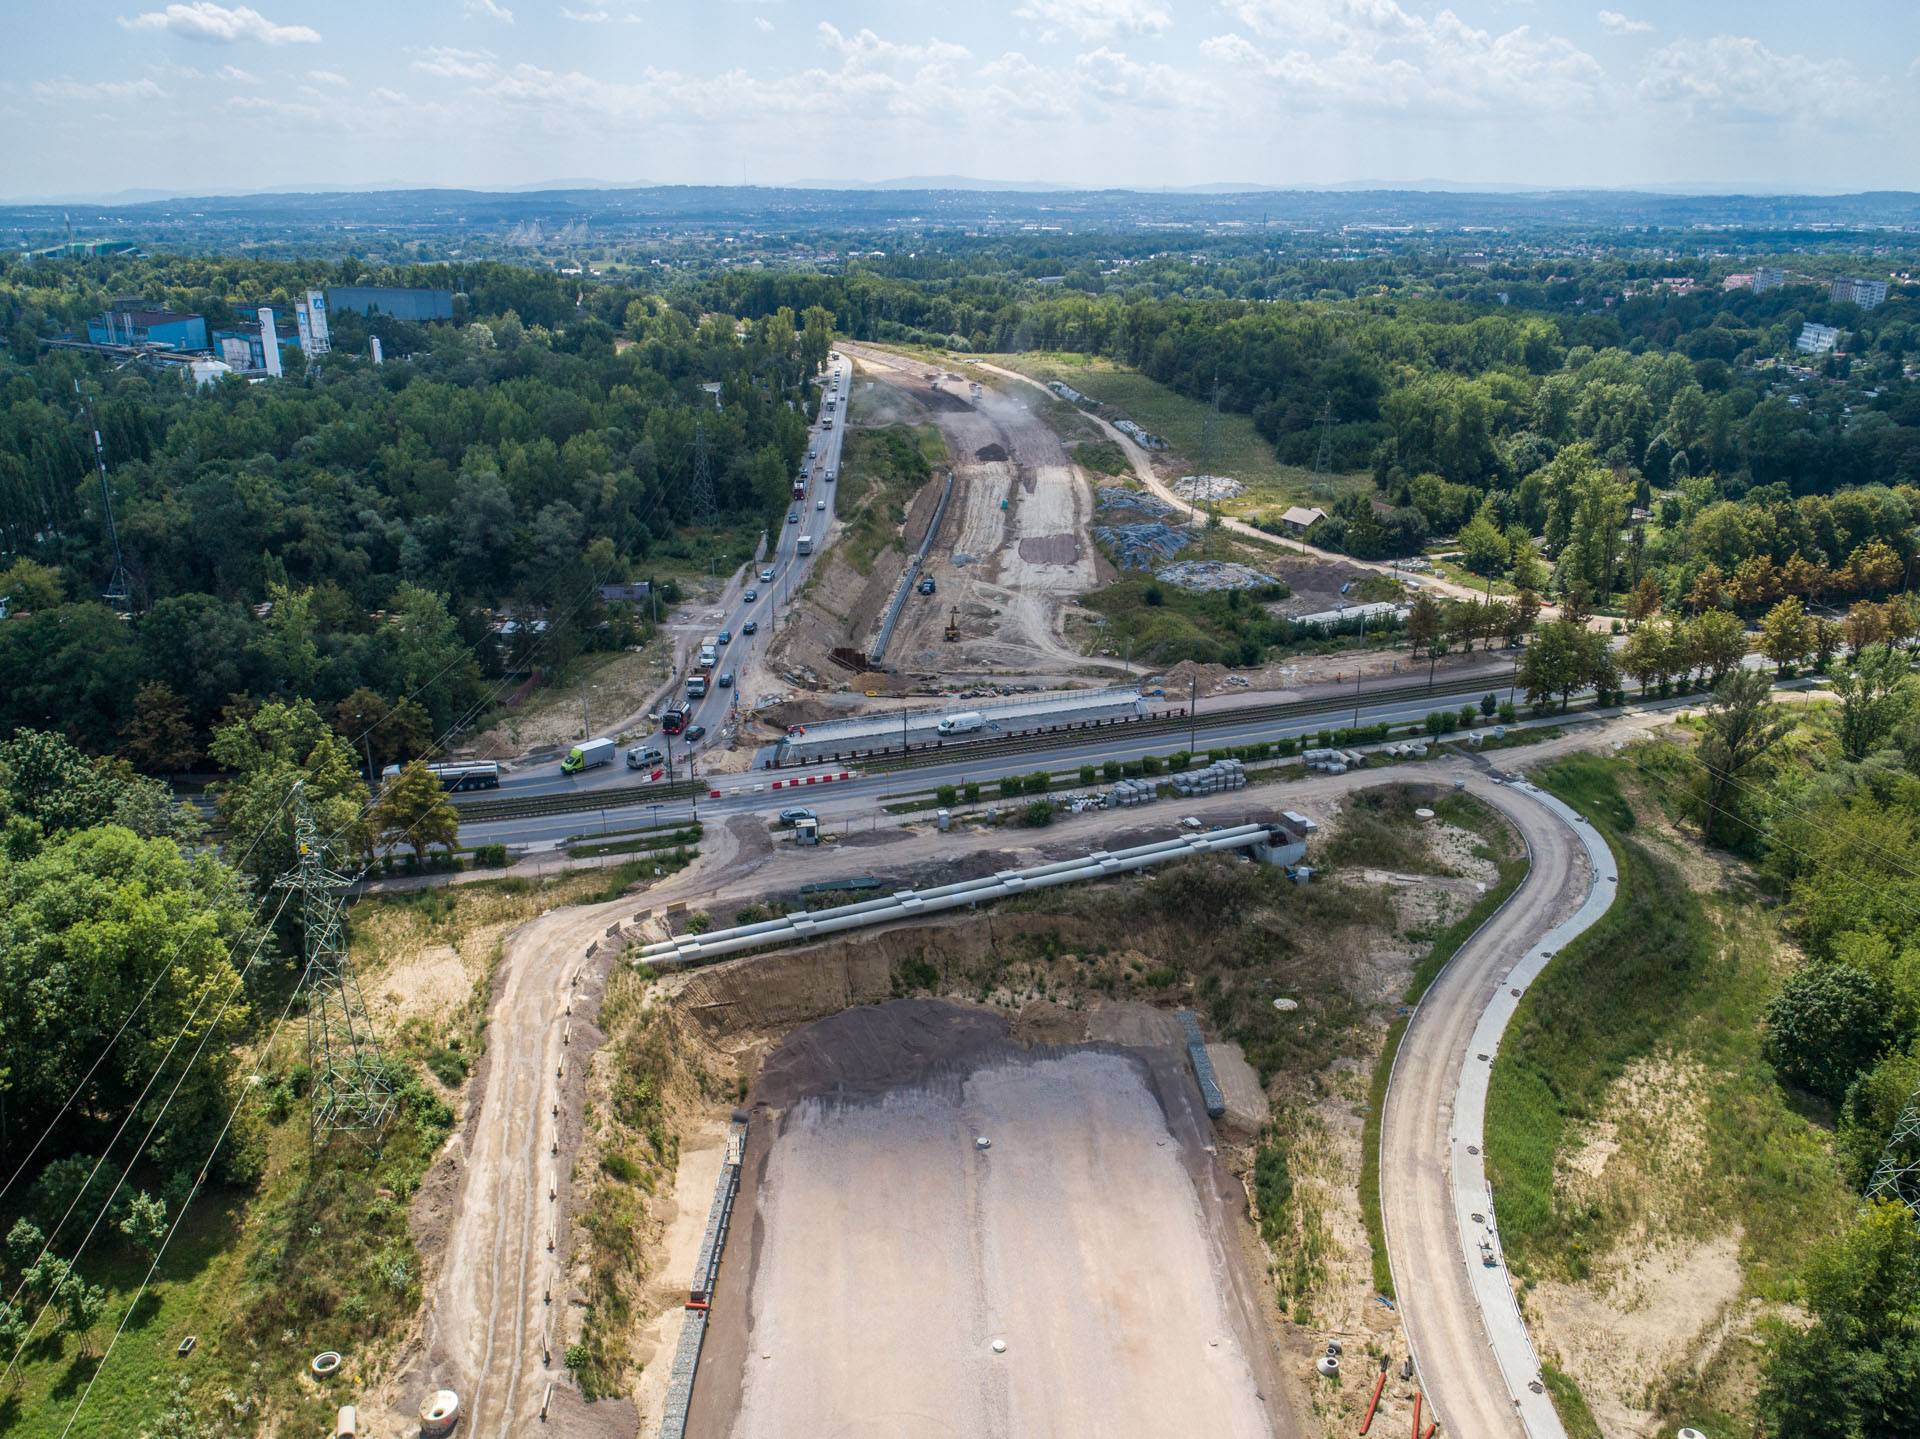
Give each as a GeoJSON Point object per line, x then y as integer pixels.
{"type": "Point", "coordinates": [361, 528]}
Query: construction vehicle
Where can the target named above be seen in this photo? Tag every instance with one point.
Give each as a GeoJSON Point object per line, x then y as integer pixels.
{"type": "Point", "coordinates": [953, 624]}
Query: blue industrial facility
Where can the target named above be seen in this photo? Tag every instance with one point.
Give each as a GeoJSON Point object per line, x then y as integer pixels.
{"type": "Point", "coordinates": [418, 306]}
{"type": "Point", "coordinates": [127, 325]}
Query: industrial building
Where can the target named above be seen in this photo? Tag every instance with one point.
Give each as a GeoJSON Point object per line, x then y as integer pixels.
{"type": "Point", "coordinates": [136, 322]}
{"type": "Point", "coordinates": [244, 349]}
{"type": "Point", "coordinates": [416, 306]}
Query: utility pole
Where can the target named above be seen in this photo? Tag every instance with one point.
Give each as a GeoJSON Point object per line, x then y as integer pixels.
{"type": "Point", "coordinates": [1193, 712]}
{"type": "Point", "coordinates": [586, 715]}
{"type": "Point", "coordinates": [119, 591]}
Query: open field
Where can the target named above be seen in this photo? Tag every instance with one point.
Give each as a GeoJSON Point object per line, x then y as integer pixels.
{"type": "Point", "coordinates": [1239, 450]}
{"type": "Point", "coordinates": [891, 1253]}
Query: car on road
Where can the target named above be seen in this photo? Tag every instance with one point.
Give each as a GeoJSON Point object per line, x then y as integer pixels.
{"type": "Point", "coordinates": [638, 758]}
{"type": "Point", "coordinates": [766, 575]}
{"type": "Point", "coordinates": [751, 627]}
{"type": "Point", "coordinates": [750, 596]}
{"type": "Point", "coordinates": [725, 637]}
{"type": "Point", "coordinates": [791, 817]}
{"type": "Point", "coordinates": [793, 517]}
{"type": "Point", "coordinates": [694, 733]}
{"type": "Point", "coordinates": [926, 585]}
{"type": "Point", "coordinates": [726, 680]}
{"type": "Point", "coordinates": [819, 504]}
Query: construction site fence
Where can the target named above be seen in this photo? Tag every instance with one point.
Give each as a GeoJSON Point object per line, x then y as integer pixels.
{"type": "Point", "coordinates": [908, 578]}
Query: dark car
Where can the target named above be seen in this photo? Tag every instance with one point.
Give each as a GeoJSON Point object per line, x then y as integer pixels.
{"type": "Point", "coordinates": [726, 680]}
{"type": "Point", "coordinates": [751, 627]}
{"type": "Point", "coordinates": [750, 596]}
{"type": "Point", "coordinates": [726, 637]}
{"type": "Point", "coordinates": [694, 733]}
{"type": "Point", "coordinates": [791, 817]}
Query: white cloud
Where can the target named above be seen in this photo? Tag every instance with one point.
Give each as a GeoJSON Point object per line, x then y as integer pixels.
{"type": "Point", "coordinates": [1614, 23]}
{"type": "Point", "coordinates": [587, 17]}
{"type": "Point", "coordinates": [216, 24]}
{"type": "Point", "coordinates": [238, 76]}
{"type": "Point", "coordinates": [867, 50]}
{"type": "Point", "coordinates": [329, 77]}
{"type": "Point", "coordinates": [1371, 55]}
{"type": "Point", "coordinates": [489, 10]}
{"type": "Point", "coordinates": [65, 89]}
{"type": "Point", "coordinates": [451, 64]}
{"type": "Point", "coordinates": [1737, 77]}
{"type": "Point", "coordinates": [1099, 19]}
{"type": "Point", "coordinates": [765, 26]}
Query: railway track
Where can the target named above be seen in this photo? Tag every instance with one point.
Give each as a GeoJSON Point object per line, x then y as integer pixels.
{"type": "Point", "coordinates": [628, 796]}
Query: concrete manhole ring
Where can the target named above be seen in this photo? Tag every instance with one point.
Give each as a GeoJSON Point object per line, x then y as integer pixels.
{"type": "Point", "coordinates": [325, 1363]}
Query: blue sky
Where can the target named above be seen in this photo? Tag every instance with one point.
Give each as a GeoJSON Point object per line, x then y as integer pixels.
{"type": "Point", "coordinates": [103, 96]}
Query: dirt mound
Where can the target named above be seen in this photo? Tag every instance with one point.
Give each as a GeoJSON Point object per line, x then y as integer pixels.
{"type": "Point", "coordinates": [941, 400]}
{"type": "Point", "coordinates": [870, 1049]}
{"type": "Point", "coordinates": [991, 453]}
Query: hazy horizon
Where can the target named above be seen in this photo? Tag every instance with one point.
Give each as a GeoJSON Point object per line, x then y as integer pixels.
{"type": "Point", "coordinates": [207, 98]}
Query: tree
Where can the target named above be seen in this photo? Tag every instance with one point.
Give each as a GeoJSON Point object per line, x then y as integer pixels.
{"type": "Point", "coordinates": [1564, 658]}
{"type": "Point", "coordinates": [271, 751]}
{"type": "Point", "coordinates": [414, 809]}
{"type": "Point", "coordinates": [1423, 622]}
{"type": "Point", "coordinates": [1877, 694]}
{"type": "Point", "coordinates": [81, 1305]}
{"type": "Point", "coordinates": [1593, 535]}
{"type": "Point", "coordinates": [87, 925]}
{"type": "Point", "coordinates": [1828, 1025]}
{"type": "Point", "coordinates": [1786, 634]}
{"type": "Point", "coordinates": [1649, 652]}
{"type": "Point", "coordinates": [26, 585]}
{"type": "Point", "coordinates": [1854, 1373]}
{"type": "Point", "coordinates": [1482, 547]}
{"type": "Point", "coordinates": [1645, 601]}
{"type": "Point", "coordinates": [1742, 725]}
{"type": "Point", "coordinates": [145, 1223]}
{"type": "Point", "coordinates": [160, 737]}
{"type": "Point", "coordinates": [1716, 642]}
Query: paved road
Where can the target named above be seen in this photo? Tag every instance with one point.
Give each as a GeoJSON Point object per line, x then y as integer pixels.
{"type": "Point", "coordinates": [814, 519]}
{"type": "Point", "coordinates": [1466, 1334]}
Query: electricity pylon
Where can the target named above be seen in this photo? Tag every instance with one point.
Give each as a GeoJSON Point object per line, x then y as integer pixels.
{"type": "Point", "coordinates": [352, 1091]}
{"type": "Point", "coordinates": [1898, 1174]}
{"type": "Point", "coordinates": [119, 591]}
{"type": "Point", "coordinates": [705, 512]}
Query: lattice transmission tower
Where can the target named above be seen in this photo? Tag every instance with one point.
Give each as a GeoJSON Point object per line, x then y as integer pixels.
{"type": "Point", "coordinates": [119, 591]}
{"type": "Point", "coordinates": [352, 1089]}
{"type": "Point", "coordinates": [1898, 1174]}
{"type": "Point", "coordinates": [705, 513]}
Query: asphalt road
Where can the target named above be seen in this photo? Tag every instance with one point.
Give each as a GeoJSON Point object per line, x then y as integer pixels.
{"type": "Point", "coordinates": [815, 519]}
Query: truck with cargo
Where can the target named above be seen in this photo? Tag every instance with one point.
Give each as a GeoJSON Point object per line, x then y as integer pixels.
{"type": "Point", "coordinates": [804, 546]}
{"type": "Point", "coordinates": [588, 754]}
{"type": "Point", "coordinates": [696, 687]}
{"type": "Point", "coordinates": [709, 652]}
{"type": "Point", "coordinates": [800, 488]}
{"type": "Point", "coordinates": [966, 722]}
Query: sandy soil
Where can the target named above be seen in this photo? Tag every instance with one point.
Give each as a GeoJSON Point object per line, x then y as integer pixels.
{"type": "Point", "coordinates": [872, 1305]}
{"type": "Point", "coordinates": [1020, 513]}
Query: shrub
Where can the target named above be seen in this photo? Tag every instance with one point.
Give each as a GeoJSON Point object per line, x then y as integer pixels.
{"type": "Point", "coordinates": [699, 922]}
{"type": "Point", "coordinates": [971, 791]}
{"type": "Point", "coordinates": [1488, 704]}
{"type": "Point", "coordinates": [1468, 714]}
{"type": "Point", "coordinates": [1038, 815]}
{"type": "Point", "coordinates": [946, 796]}
{"type": "Point", "coordinates": [1086, 774]}
{"type": "Point", "coordinates": [1150, 765]}
{"type": "Point", "coordinates": [490, 856]}
{"type": "Point", "coordinates": [1110, 770]}
{"type": "Point", "coordinates": [752, 914]}
{"type": "Point", "coordinates": [1507, 712]}
{"type": "Point", "coordinates": [1038, 782]}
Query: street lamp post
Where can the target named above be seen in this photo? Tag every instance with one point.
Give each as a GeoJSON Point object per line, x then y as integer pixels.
{"type": "Point", "coordinates": [1193, 712]}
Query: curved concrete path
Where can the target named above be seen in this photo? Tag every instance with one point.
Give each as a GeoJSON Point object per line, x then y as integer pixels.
{"type": "Point", "coordinates": [1464, 1327]}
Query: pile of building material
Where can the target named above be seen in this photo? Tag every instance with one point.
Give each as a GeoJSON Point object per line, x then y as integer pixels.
{"type": "Point", "coordinates": [1206, 576]}
{"type": "Point", "coordinates": [1140, 538]}
{"type": "Point", "coordinates": [1127, 793]}
{"type": "Point", "coordinates": [1222, 774]}
{"type": "Point", "coordinates": [1203, 488]}
{"type": "Point", "coordinates": [1144, 438]}
{"type": "Point", "coordinates": [1333, 761]}
{"type": "Point", "coordinates": [1412, 749]}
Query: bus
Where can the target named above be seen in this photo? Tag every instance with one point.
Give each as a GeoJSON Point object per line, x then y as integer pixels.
{"type": "Point", "coordinates": [674, 719]}
{"type": "Point", "coordinates": [804, 546]}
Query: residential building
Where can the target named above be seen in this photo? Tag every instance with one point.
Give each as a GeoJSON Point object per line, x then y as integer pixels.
{"type": "Point", "coordinates": [1301, 518]}
{"type": "Point", "coordinates": [1816, 339]}
{"type": "Point", "coordinates": [1864, 293]}
{"type": "Point", "coordinates": [417, 306]}
{"type": "Point", "coordinates": [1768, 277]}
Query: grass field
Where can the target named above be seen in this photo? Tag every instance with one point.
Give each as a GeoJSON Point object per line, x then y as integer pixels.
{"type": "Point", "coordinates": [880, 472]}
{"type": "Point", "coordinates": [1239, 450]}
{"type": "Point", "coordinates": [1676, 977]}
